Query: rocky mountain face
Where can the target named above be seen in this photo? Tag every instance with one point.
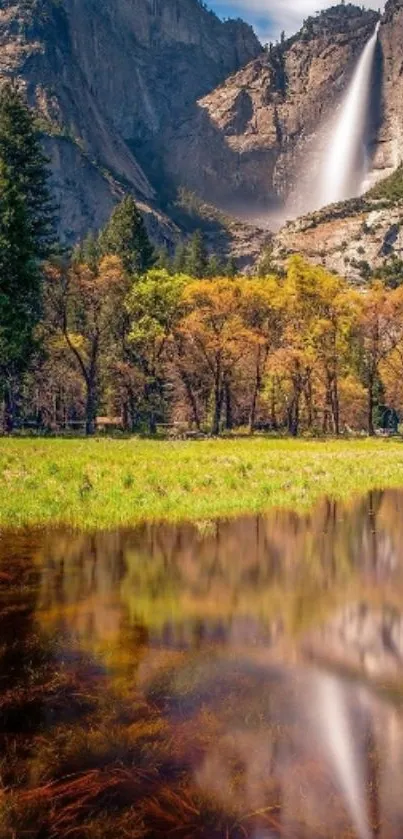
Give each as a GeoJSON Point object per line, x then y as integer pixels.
{"type": "Point", "coordinates": [108, 78]}
{"type": "Point", "coordinates": [151, 96]}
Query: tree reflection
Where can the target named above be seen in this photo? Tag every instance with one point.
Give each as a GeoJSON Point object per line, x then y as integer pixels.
{"type": "Point", "coordinates": [280, 571]}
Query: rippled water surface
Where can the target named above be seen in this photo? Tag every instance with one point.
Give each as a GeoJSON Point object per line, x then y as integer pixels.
{"type": "Point", "coordinates": [231, 679]}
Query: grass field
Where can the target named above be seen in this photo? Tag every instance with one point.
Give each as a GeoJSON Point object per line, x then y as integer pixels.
{"type": "Point", "coordinates": [103, 483]}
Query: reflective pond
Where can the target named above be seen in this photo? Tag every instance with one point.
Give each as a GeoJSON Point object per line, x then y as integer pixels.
{"type": "Point", "coordinates": [230, 679]}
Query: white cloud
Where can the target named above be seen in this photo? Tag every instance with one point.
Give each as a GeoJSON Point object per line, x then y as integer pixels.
{"type": "Point", "coordinates": [284, 14]}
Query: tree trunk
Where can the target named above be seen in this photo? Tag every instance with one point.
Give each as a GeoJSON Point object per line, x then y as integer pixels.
{"type": "Point", "coordinates": [149, 399]}
{"type": "Point", "coordinates": [218, 400]}
{"type": "Point", "coordinates": [125, 414]}
{"type": "Point", "coordinates": [255, 395]}
{"type": "Point", "coordinates": [328, 409]}
{"type": "Point", "coordinates": [191, 398]}
{"type": "Point", "coordinates": [152, 422]}
{"type": "Point", "coordinates": [8, 410]}
{"type": "Point", "coordinates": [90, 409]}
{"type": "Point", "coordinates": [229, 424]}
{"type": "Point", "coordinates": [253, 409]}
{"type": "Point", "coordinates": [295, 411]}
{"type": "Point", "coordinates": [295, 422]}
{"type": "Point", "coordinates": [336, 406]}
{"type": "Point", "coordinates": [132, 410]}
{"type": "Point", "coordinates": [308, 402]}
{"type": "Point", "coordinates": [290, 413]}
{"type": "Point", "coordinates": [273, 415]}
{"type": "Point", "coordinates": [371, 427]}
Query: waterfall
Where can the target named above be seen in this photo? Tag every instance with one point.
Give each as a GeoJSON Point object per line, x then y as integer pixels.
{"type": "Point", "coordinates": [346, 161]}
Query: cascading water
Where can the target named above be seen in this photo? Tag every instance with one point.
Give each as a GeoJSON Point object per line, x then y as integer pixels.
{"type": "Point", "coordinates": [346, 162]}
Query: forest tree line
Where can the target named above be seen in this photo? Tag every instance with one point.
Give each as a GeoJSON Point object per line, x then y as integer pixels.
{"type": "Point", "coordinates": [116, 330]}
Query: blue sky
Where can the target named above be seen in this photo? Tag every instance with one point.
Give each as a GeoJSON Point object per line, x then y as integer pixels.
{"type": "Point", "coordinates": [269, 17]}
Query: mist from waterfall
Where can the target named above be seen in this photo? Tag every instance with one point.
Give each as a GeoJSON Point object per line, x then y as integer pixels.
{"type": "Point", "coordinates": [346, 164]}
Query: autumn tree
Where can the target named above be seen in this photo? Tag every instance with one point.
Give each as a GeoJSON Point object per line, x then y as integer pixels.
{"type": "Point", "coordinates": [87, 302]}
{"type": "Point", "coordinates": [335, 318]}
{"type": "Point", "coordinates": [261, 307]}
{"type": "Point", "coordinates": [215, 331]}
{"type": "Point", "coordinates": [320, 316]}
{"type": "Point", "coordinates": [380, 334]}
{"type": "Point", "coordinates": [391, 365]}
{"type": "Point", "coordinates": [296, 358]}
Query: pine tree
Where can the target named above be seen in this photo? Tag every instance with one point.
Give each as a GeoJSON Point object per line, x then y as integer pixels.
{"type": "Point", "coordinates": [196, 256]}
{"type": "Point", "coordinates": [26, 238]}
{"type": "Point", "coordinates": [163, 259]}
{"type": "Point", "coordinates": [88, 251]}
{"type": "Point", "coordinates": [180, 258]}
{"type": "Point", "coordinates": [214, 266]}
{"type": "Point", "coordinates": [231, 269]}
{"type": "Point", "coordinates": [126, 236]}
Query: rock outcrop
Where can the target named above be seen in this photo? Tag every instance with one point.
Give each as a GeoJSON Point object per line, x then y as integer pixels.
{"type": "Point", "coordinates": [357, 239]}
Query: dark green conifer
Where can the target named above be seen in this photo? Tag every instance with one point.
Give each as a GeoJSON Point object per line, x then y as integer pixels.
{"type": "Point", "coordinates": [196, 256]}
{"type": "Point", "coordinates": [231, 268]}
{"type": "Point", "coordinates": [180, 259]}
{"type": "Point", "coordinates": [126, 236]}
{"type": "Point", "coordinates": [214, 266]}
{"type": "Point", "coordinates": [163, 259]}
{"type": "Point", "coordinates": [26, 238]}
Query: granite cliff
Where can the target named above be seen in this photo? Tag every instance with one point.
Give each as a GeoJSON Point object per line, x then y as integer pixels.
{"type": "Point", "coordinates": [106, 78]}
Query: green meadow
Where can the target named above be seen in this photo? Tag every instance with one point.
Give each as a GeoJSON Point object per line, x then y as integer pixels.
{"type": "Point", "coordinates": [107, 483]}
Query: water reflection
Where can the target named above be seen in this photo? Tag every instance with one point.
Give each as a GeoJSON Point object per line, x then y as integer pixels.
{"type": "Point", "coordinates": [254, 667]}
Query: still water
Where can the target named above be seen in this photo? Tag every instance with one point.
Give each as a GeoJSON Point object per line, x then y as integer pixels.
{"type": "Point", "coordinates": [230, 679]}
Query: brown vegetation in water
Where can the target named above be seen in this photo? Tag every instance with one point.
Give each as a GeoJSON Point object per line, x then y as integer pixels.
{"type": "Point", "coordinates": [116, 767]}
